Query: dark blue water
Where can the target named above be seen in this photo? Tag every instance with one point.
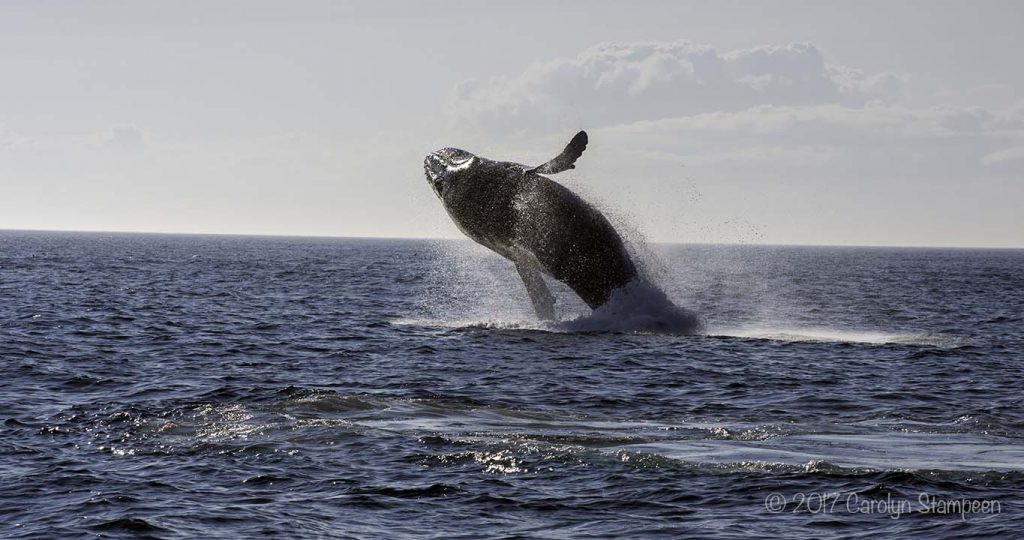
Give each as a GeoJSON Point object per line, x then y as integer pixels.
{"type": "Point", "coordinates": [226, 387]}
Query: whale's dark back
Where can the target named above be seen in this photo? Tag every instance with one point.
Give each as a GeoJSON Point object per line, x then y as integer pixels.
{"type": "Point", "coordinates": [512, 211]}
{"type": "Point", "coordinates": [574, 242]}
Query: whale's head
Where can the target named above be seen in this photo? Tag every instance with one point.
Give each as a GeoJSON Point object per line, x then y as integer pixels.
{"type": "Point", "coordinates": [447, 166]}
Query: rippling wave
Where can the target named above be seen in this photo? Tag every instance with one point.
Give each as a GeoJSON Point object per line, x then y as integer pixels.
{"type": "Point", "coordinates": [177, 386]}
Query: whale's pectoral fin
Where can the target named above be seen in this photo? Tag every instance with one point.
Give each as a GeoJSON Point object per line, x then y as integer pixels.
{"type": "Point", "coordinates": [541, 297]}
{"type": "Point", "coordinates": [567, 158]}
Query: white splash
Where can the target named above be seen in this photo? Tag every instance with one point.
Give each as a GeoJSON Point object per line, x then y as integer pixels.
{"type": "Point", "coordinates": [639, 307]}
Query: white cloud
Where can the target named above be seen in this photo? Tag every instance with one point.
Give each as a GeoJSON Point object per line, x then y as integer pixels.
{"type": "Point", "coordinates": [775, 135]}
{"type": "Point", "coordinates": [827, 140]}
{"type": "Point", "coordinates": [1007, 157]}
{"type": "Point", "coordinates": [626, 82]}
{"type": "Point", "coordinates": [783, 107]}
{"type": "Point", "coordinates": [126, 136]}
{"type": "Point", "coordinates": [1010, 120]}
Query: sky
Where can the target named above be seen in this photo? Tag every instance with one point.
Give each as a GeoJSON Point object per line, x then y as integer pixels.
{"type": "Point", "coordinates": [835, 123]}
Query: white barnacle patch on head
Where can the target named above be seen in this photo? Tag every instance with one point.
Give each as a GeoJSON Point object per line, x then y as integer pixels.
{"type": "Point", "coordinates": [445, 165]}
{"type": "Point", "coordinates": [461, 165]}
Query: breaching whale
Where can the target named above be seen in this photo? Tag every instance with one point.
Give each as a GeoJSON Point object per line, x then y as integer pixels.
{"type": "Point", "coordinates": [536, 223]}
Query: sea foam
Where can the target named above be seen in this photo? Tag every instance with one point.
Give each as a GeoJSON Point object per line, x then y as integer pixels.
{"type": "Point", "coordinates": [638, 307]}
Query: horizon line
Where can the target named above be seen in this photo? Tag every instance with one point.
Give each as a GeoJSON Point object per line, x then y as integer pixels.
{"type": "Point", "coordinates": [457, 239]}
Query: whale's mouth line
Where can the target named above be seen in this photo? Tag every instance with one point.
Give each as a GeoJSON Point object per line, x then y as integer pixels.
{"type": "Point", "coordinates": [434, 166]}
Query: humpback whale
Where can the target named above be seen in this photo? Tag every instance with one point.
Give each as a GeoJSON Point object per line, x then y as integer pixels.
{"type": "Point", "coordinates": [538, 224]}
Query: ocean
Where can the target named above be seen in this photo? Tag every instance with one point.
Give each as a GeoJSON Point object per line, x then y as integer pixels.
{"type": "Point", "coordinates": [174, 386]}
